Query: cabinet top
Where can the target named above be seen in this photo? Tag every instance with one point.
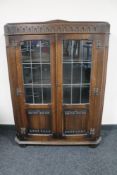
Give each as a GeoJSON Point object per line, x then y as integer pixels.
{"type": "Point", "coordinates": [57, 26]}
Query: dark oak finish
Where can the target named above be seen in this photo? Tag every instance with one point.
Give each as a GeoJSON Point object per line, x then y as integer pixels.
{"type": "Point", "coordinates": [57, 121]}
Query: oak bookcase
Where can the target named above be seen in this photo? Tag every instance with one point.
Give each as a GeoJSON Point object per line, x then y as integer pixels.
{"type": "Point", "coordinates": [57, 72]}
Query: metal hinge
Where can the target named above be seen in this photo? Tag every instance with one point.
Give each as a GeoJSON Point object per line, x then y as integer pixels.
{"type": "Point", "coordinates": [18, 92]}
{"type": "Point", "coordinates": [90, 133]}
{"type": "Point", "coordinates": [23, 131]}
{"type": "Point", "coordinates": [96, 92]}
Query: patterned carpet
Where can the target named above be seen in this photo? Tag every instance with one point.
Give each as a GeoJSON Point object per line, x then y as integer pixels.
{"type": "Point", "coordinates": [58, 160]}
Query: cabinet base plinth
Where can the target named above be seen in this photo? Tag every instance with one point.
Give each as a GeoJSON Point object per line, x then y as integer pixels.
{"type": "Point", "coordinates": [58, 142]}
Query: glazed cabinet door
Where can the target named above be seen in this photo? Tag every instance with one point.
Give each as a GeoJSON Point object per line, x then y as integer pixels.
{"type": "Point", "coordinates": [35, 60]}
{"type": "Point", "coordinates": [76, 82]}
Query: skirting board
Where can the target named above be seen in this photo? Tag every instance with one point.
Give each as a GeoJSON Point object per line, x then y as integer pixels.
{"type": "Point", "coordinates": [57, 142]}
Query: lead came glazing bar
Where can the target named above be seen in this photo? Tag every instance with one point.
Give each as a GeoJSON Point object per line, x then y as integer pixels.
{"type": "Point", "coordinates": [72, 44]}
{"type": "Point", "coordinates": [82, 54]}
{"type": "Point", "coordinates": [41, 71]}
{"type": "Point", "coordinates": [32, 72]}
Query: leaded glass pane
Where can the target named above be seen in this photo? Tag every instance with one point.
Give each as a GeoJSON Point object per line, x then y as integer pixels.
{"type": "Point", "coordinates": [37, 94]}
{"type": "Point", "coordinates": [71, 50]}
{"type": "Point", "coordinates": [87, 50]}
{"type": "Point", "coordinates": [46, 94]}
{"type": "Point", "coordinates": [76, 94]}
{"type": "Point", "coordinates": [36, 71]}
{"type": "Point", "coordinates": [67, 44]}
{"type": "Point", "coordinates": [28, 93]}
{"type": "Point", "coordinates": [66, 73]}
{"type": "Point", "coordinates": [27, 73]}
{"type": "Point", "coordinates": [86, 70]}
{"type": "Point", "coordinates": [76, 70]}
{"type": "Point", "coordinates": [76, 50]}
{"type": "Point", "coordinates": [25, 49]}
{"type": "Point", "coordinates": [46, 73]}
{"type": "Point", "coordinates": [35, 51]}
{"type": "Point", "coordinates": [85, 94]}
{"type": "Point", "coordinates": [76, 73]}
{"type": "Point", "coordinates": [45, 51]}
{"type": "Point", "coordinates": [66, 94]}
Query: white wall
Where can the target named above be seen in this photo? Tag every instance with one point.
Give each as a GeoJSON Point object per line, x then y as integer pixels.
{"type": "Point", "coordinates": [43, 10]}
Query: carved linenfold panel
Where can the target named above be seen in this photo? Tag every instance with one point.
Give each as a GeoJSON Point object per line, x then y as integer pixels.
{"type": "Point", "coordinates": [38, 112]}
{"type": "Point", "coordinates": [56, 27]}
{"type": "Point", "coordinates": [89, 133]}
{"type": "Point", "coordinates": [39, 131]}
{"type": "Point", "coordinates": [75, 112]}
{"type": "Point", "coordinates": [69, 132]}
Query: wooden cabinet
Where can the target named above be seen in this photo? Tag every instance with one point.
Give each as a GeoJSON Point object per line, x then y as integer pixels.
{"type": "Point", "coordinates": [57, 74]}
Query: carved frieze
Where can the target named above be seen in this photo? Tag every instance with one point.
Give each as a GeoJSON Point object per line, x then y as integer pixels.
{"type": "Point", "coordinates": [89, 133]}
{"type": "Point", "coordinates": [56, 27]}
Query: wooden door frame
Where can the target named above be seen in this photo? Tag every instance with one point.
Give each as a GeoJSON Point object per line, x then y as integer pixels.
{"type": "Point", "coordinates": [25, 106]}
{"type": "Point", "coordinates": [100, 47]}
{"type": "Point", "coordinates": [60, 37]}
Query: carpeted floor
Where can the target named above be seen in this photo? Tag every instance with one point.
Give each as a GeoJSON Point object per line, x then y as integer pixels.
{"type": "Point", "coordinates": [58, 160]}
